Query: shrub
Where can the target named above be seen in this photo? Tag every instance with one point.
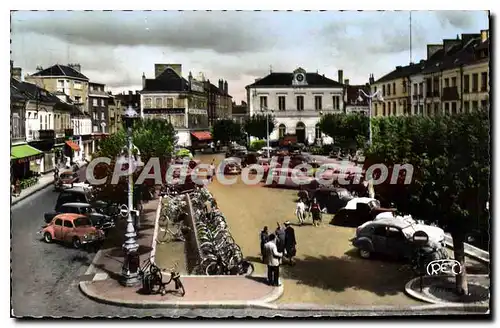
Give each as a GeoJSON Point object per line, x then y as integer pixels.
{"type": "Point", "coordinates": [257, 144]}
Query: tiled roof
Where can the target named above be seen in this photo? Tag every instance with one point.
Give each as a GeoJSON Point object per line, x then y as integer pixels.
{"type": "Point", "coordinates": [61, 70]}
{"type": "Point", "coordinates": [16, 95]}
{"type": "Point", "coordinates": [285, 79]}
{"type": "Point", "coordinates": [169, 80]}
{"type": "Point", "coordinates": [33, 92]}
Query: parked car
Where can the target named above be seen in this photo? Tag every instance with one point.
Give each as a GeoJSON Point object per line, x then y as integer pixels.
{"type": "Point", "coordinates": [99, 220]}
{"type": "Point", "coordinates": [84, 195]}
{"type": "Point", "coordinates": [289, 178]}
{"type": "Point", "coordinates": [71, 228]}
{"type": "Point", "coordinates": [358, 211]}
{"type": "Point", "coordinates": [393, 237]}
{"type": "Point", "coordinates": [331, 198]}
{"type": "Point", "coordinates": [66, 180]}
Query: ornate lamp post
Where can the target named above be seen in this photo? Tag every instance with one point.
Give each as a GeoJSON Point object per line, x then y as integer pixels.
{"type": "Point", "coordinates": [370, 97]}
{"type": "Point", "coordinates": [266, 110]}
{"type": "Point", "coordinates": [130, 268]}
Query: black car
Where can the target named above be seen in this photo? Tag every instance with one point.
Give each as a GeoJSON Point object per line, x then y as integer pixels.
{"type": "Point", "coordinates": [84, 195]}
{"type": "Point", "coordinates": [99, 220]}
{"type": "Point", "coordinates": [331, 198]}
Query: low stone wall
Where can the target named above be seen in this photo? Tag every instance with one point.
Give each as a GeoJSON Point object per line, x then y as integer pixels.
{"type": "Point", "coordinates": [193, 254]}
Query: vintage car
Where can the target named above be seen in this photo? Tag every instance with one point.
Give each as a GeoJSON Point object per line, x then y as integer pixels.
{"type": "Point", "coordinates": [288, 178]}
{"type": "Point", "coordinates": [394, 237]}
{"type": "Point", "coordinates": [84, 195]}
{"type": "Point", "coordinates": [99, 220]}
{"type": "Point", "coordinates": [359, 210]}
{"type": "Point", "coordinates": [328, 197]}
{"type": "Point", "coordinates": [71, 228]}
{"type": "Point", "coordinates": [66, 180]}
{"type": "Point", "coordinates": [231, 165]}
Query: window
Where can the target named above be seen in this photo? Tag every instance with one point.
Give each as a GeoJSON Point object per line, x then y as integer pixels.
{"type": "Point", "coordinates": [404, 86]}
{"type": "Point", "coordinates": [94, 102]}
{"type": "Point", "coordinates": [58, 222]}
{"type": "Point", "coordinates": [147, 102]}
{"type": "Point", "coordinates": [484, 104]}
{"type": "Point", "coordinates": [453, 81]}
{"type": "Point", "coordinates": [475, 82]}
{"type": "Point", "coordinates": [380, 231]}
{"type": "Point", "coordinates": [447, 108]}
{"type": "Point", "coordinates": [95, 128]}
{"type": "Point", "coordinates": [46, 122]}
{"type": "Point", "coordinates": [318, 102]}
{"type": "Point", "coordinates": [77, 85]}
{"type": "Point", "coordinates": [394, 108]}
{"type": "Point", "coordinates": [389, 108]}
{"type": "Point", "coordinates": [374, 89]}
{"type": "Point", "coordinates": [428, 83]}
{"type": "Point", "coordinates": [421, 109]}
{"type": "Point", "coordinates": [436, 109]}
{"type": "Point", "coordinates": [102, 103]}
{"type": "Point", "coordinates": [282, 130]}
{"type": "Point", "coordinates": [68, 224]}
{"type": "Point", "coordinates": [428, 109]}
{"type": "Point", "coordinates": [415, 89]}
{"type": "Point", "coordinates": [300, 102]}
{"type": "Point", "coordinates": [158, 102]}
{"type": "Point", "coordinates": [484, 81]}
{"type": "Point", "coordinates": [103, 117]}
{"type": "Point", "coordinates": [336, 102]}
{"type": "Point", "coordinates": [475, 105]}
{"type": "Point", "coordinates": [376, 110]}
{"type": "Point", "coordinates": [415, 109]}
{"type": "Point", "coordinates": [388, 89]}
{"type": "Point", "coordinates": [170, 102]}
{"type": "Point", "coordinates": [394, 87]}
{"type": "Point", "coordinates": [466, 106]}
{"type": "Point", "coordinates": [263, 102]}
{"type": "Point", "coordinates": [60, 85]}
{"type": "Point", "coordinates": [383, 109]}
{"type": "Point", "coordinates": [435, 86]}
{"type": "Point", "coordinates": [281, 103]}
{"type": "Point", "coordinates": [446, 82]}
{"type": "Point", "coordinates": [453, 107]}
{"type": "Point", "coordinates": [421, 89]}
{"type": "Point", "coordinates": [94, 115]}
{"type": "Point", "coordinates": [466, 84]}
{"type": "Point", "coordinates": [383, 90]}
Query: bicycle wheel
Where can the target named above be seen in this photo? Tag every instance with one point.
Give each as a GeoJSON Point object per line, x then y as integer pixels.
{"type": "Point", "coordinates": [179, 287]}
{"type": "Point", "coordinates": [213, 269]}
{"type": "Point", "coordinates": [247, 268]}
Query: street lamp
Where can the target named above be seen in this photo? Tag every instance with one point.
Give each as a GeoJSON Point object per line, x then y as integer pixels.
{"type": "Point", "coordinates": [377, 95]}
{"type": "Point", "coordinates": [267, 110]}
{"type": "Point", "coordinates": [130, 268]}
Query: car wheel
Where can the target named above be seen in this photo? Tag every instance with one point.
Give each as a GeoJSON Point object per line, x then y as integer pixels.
{"type": "Point", "coordinates": [77, 243]}
{"type": "Point", "coordinates": [47, 237]}
{"type": "Point", "coordinates": [364, 254]}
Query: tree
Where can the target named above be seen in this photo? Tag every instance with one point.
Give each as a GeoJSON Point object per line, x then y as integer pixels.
{"type": "Point", "coordinates": [153, 138]}
{"type": "Point", "coordinates": [226, 130]}
{"type": "Point", "coordinates": [450, 184]}
{"type": "Point", "coordinates": [346, 130]}
{"type": "Point", "coordinates": [255, 126]}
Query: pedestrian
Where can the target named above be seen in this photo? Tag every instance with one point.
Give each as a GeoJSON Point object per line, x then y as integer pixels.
{"type": "Point", "coordinates": [316, 212]}
{"type": "Point", "coordinates": [264, 238]}
{"type": "Point", "coordinates": [280, 237]}
{"type": "Point", "coordinates": [211, 172]}
{"type": "Point", "coordinates": [290, 242]}
{"type": "Point", "coordinates": [273, 261]}
{"type": "Point", "coordinates": [300, 211]}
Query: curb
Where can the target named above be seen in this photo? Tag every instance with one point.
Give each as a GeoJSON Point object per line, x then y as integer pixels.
{"type": "Point", "coordinates": [261, 303]}
{"type": "Point", "coordinates": [422, 297]}
{"type": "Point", "coordinates": [33, 191]}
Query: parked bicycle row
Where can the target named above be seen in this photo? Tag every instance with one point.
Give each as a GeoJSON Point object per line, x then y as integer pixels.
{"type": "Point", "coordinates": [220, 255]}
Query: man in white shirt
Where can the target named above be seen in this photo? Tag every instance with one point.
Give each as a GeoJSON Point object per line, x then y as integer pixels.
{"type": "Point", "coordinates": [300, 211]}
{"type": "Point", "coordinates": [272, 259]}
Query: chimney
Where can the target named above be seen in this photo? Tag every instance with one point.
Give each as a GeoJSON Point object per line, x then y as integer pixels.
{"type": "Point", "coordinates": [15, 72]}
{"type": "Point", "coordinates": [341, 76]}
{"type": "Point", "coordinates": [432, 49]}
{"type": "Point", "coordinates": [76, 67]}
{"type": "Point", "coordinates": [225, 87]}
{"type": "Point", "coordinates": [485, 35]}
{"type": "Point", "coordinates": [346, 81]}
{"type": "Point", "coordinates": [221, 85]}
{"type": "Point", "coordinates": [450, 43]}
{"type": "Point", "coordinates": [143, 80]}
{"type": "Point", "coordinates": [371, 79]}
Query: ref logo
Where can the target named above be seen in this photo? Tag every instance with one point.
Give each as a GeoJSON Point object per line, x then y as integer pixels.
{"type": "Point", "coordinates": [436, 267]}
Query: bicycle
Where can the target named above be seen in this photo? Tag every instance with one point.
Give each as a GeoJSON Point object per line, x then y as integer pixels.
{"type": "Point", "coordinates": [165, 234]}
{"type": "Point", "coordinates": [153, 282]}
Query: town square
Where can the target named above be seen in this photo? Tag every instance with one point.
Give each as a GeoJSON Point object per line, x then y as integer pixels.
{"type": "Point", "coordinates": [187, 170]}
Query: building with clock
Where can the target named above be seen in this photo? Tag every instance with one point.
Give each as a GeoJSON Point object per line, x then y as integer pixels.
{"type": "Point", "coordinates": [297, 99]}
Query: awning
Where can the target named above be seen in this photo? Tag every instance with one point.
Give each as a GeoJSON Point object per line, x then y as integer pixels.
{"type": "Point", "coordinates": [73, 145]}
{"type": "Point", "coordinates": [24, 153]}
{"type": "Point", "coordinates": [202, 135]}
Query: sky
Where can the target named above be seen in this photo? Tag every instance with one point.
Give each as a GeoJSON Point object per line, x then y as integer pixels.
{"type": "Point", "coordinates": [117, 47]}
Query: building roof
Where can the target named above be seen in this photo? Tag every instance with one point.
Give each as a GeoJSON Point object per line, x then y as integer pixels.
{"type": "Point", "coordinates": [61, 70]}
{"type": "Point", "coordinates": [285, 79]}
{"type": "Point", "coordinates": [401, 71]}
{"type": "Point", "coordinates": [33, 92]}
{"type": "Point", "coordinates": [168, 80]}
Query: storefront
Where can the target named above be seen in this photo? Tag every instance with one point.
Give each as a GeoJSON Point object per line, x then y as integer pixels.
{"type": "Point", "coordinates": [200, 139]}
{"type": "Point", "coordinates": [25, 163]}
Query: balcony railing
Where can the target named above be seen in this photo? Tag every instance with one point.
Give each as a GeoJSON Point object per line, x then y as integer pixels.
{"type": "Point", "coordinates": [303, 113]}
{"type": "Point", "coordinates": [450, 93]}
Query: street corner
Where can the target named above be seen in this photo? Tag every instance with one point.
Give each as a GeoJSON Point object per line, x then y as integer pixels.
{"type": "Point", "coordinates": [201, 291]}
{"type": "Point", "coordinates": [441, 290]}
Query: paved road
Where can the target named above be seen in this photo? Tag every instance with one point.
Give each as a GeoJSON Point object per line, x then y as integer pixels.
{"type": "Point", "coordinates": [45, 276]}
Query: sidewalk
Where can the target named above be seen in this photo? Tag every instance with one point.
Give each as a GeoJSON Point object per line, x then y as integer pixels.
{"type": "Point", "coordinates": [44, 181]}
{"type": "Point", "coordinates": [201, 291]}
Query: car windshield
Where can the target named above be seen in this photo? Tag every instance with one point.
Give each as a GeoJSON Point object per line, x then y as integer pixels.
{"type": "Point", "coordinates": [82, 222]}
{"type": "Point", "coordinates": [66, 176]}
{"type": "Point", "coordinates": [374, 204]}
